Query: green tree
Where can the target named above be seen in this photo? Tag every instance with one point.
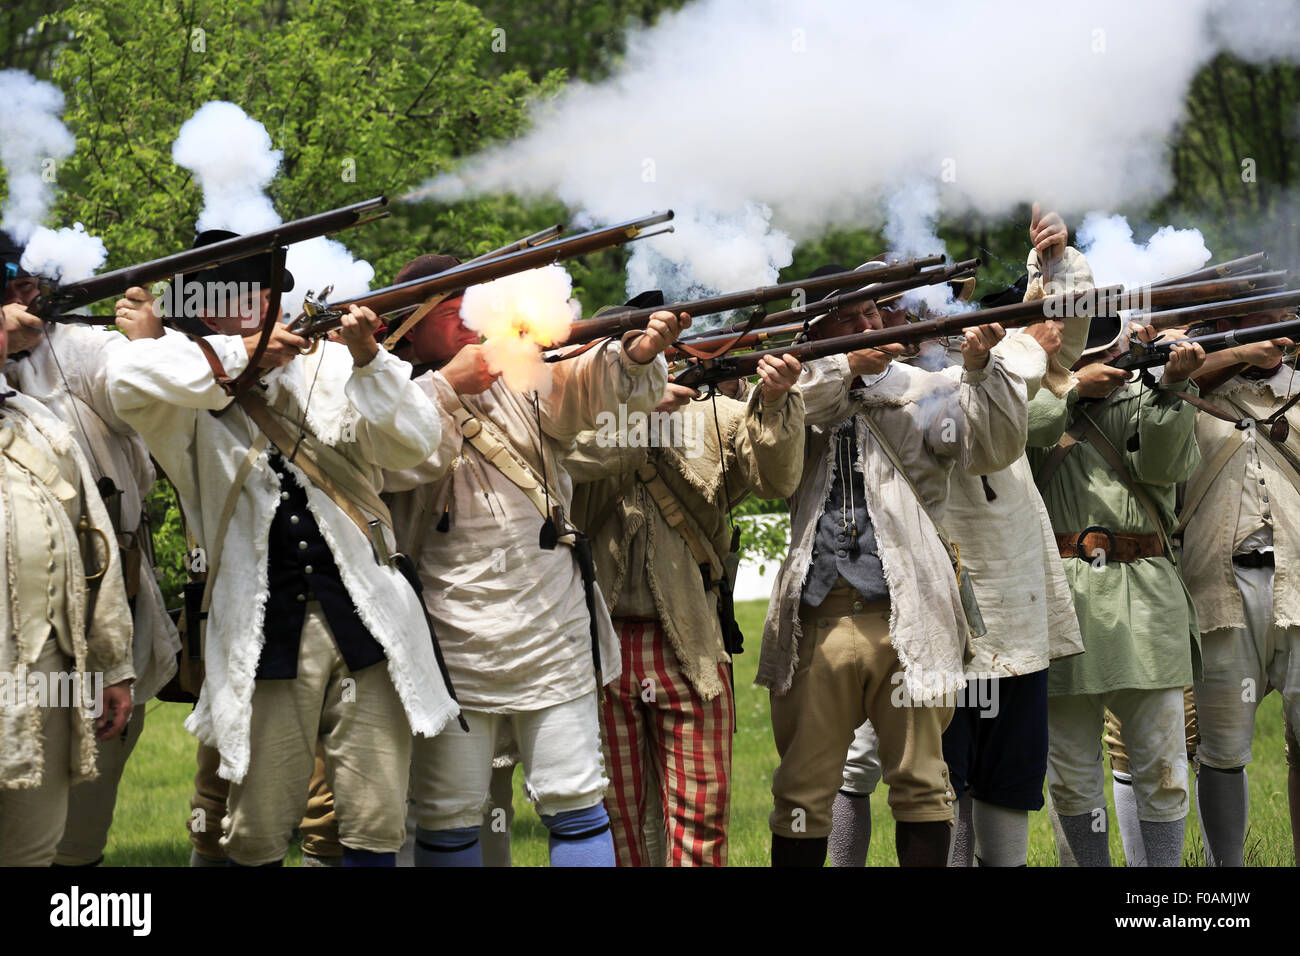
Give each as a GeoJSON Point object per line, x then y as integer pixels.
{"type": "Point", "coordinates": [362, 98]}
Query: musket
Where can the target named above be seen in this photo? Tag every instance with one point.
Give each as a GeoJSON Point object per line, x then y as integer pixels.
{"type": "Point", "coordinates": [1202, 291]}
{"type": "Point", "coordinates": [1191, 315]}
{"type": "Point", "coordinates": [55, 300]}
{"type": "Point", "coordinates": [401, 320]}
{"type": "Point", "coordinates": [712, 371]}
{"type": "Point", "coordinates": [625, 319]}
{"type": "Point", "coordinates": [321, 318]}
{"type": "Point", "coordinates": [787, 321]}
{"type": "Point", "coordinates": [1220, 270]}
{"type": "Point", "coordinates": [1145, 355]}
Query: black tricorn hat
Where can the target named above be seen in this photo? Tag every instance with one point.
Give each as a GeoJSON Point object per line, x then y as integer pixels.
{"type": "Point", "coordinates": [11, 254]}
{"type": "Point", "coordinates": [1102, 331]}
{"type": "Point", "coordinates": [251, 269]}
{"type": "Point", "coordinates": [1008, 296]}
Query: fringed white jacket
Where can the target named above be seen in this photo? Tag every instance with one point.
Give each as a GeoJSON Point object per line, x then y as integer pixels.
{"type": "Point", "coordinates": [933, 423]}
{"type": "Point", "coordinates": [374, 416]}
{"type": "Point", "coordinates": [68, 373]}
{"type": "Point", "coordinates": [102, 648]}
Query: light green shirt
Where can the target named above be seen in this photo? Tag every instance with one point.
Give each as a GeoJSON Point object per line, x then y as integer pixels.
{"type": "Point", "coordinates": [1138, 621]}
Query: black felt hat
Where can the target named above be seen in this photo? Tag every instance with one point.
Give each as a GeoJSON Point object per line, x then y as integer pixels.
{"type": "Point", "coordinates": [250, 269]}
{"type": "Point", "coordinates": [1008, 296]}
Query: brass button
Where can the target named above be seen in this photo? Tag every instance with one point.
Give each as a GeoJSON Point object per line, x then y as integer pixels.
{"type": "Point", "coordinates": [302, 545]}
{"type": "Point", "coordinates": [293, 519]}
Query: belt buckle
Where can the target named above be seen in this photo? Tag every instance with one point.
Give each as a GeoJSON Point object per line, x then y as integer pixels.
{"type": "Point", "coordinates": [1078, 542]}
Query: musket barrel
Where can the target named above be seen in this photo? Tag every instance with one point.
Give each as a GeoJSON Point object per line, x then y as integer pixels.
{"type": "Point", "coordinates": [618, 321]}
{"type": "Point", "coordinates": [1220, 270]}
{"type": "Point", "coordinates": [883, 290]}
{"type": "Point", "coordinates": [394, 297]}
{"type": "Point", "coordinates": [76, 295]}
{"type": "Point", "coordinates": [1190, 315]}
{"type": "Point", "coordinates": [1148, 298]}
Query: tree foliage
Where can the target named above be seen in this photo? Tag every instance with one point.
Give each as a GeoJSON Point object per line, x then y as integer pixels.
{"type": "Point", "coordinates": [363, 99]}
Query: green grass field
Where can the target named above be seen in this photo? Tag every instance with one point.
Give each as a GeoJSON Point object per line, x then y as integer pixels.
{"type": "Point", "coordinates": [154, 799]}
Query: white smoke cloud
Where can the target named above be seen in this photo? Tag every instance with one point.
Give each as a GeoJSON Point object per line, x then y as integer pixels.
{"type": "Point", "coordinates": [64, 255]}
{"type": "Point", "coordinates": [1108, 243]}
{"type": "Point", "coordinates": [911, 231]}
{"type": "Point", "coordinates": [33, 141]}
{"type": "Point", "coordinates": [1258, 30]}
{"type": "Point", "coordinates": [231, 157]}
{"type": "Point", "coordinates": [817, 111]}
{"type": "Point", "coordinates": [517, 315]}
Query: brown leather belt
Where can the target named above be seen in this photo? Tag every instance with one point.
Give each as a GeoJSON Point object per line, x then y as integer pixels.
{"type": "Point", "coordinates": [1116, 547]}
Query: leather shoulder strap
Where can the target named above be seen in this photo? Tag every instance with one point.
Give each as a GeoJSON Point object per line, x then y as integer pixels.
{"type": "Point", "coordinates": [263, 417]}
{"type": "Point", "coordinates": [488, 440]}
{"type": "Point", "coordinates": [1060, 451]}
{"type": "Point", "coordinates": [1279, 450]}
{"type": "Point", "coordinates": [1206, 476]}
{"type": "Point", "coordinates": [671, 508]}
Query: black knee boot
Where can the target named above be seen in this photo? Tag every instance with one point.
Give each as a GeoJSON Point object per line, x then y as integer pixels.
{"type": "Point", "coordinates": [922, 844]}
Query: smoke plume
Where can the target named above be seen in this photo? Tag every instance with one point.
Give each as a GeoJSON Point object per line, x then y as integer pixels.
{"type": "Point", "coordinates": [762, 122]}
{"type": "Point", "coordinates": [33, 143]}
{"type": "Point", "coordinates": [1108, 243]}
{"type": "Point", "coordinates": [231, 157]}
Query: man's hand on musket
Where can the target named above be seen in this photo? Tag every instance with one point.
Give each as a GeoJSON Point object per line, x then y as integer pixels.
{"type": "Point", "coordinates": [675, 397]}
{"type": "Point", "coordinates": [1262, 354]}
{"type": "Point", "coordinates": [24, 329]}
{"type": "Point", "coordinates": [1048, 234]}
{"type": "Point", "coordinates": [875, 360]}
{"type": "Point", "coordinates": [1184, 359]}
{"type": "Point", "coordinates": [1047, 334]}
{"type": "Point", "coordinates": [779, 374]}
{"type": "Point", "coordinates": [468, 371]}
{"type": "Point", "coordinates": [357, 331]}
{"type": "Point", "coordinates": [660, 332]}
{"type": "Point", "coordinates": [1097, 381]}
{"type": "Point", "coordinates": [136, 314]}
{"type": "Point", "coordinates": [979, 341]}
{"type": "Point", "coordinates": [114, 711]}
{"type": "Point", "coordinates": [281, 349]}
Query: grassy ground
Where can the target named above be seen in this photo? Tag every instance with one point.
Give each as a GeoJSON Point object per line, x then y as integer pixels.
{"type": "Point", "coordinates": [152, 812]}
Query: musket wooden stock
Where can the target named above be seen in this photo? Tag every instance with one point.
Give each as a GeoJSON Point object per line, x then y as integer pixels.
{"type": "Point", "coordinates": [55, 300]}
{"type": "Point", "coordinates": [620, 320]}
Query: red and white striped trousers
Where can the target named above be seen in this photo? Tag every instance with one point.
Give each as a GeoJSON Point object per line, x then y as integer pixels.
{"type": "Point", "coordinates": [659, 734]}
